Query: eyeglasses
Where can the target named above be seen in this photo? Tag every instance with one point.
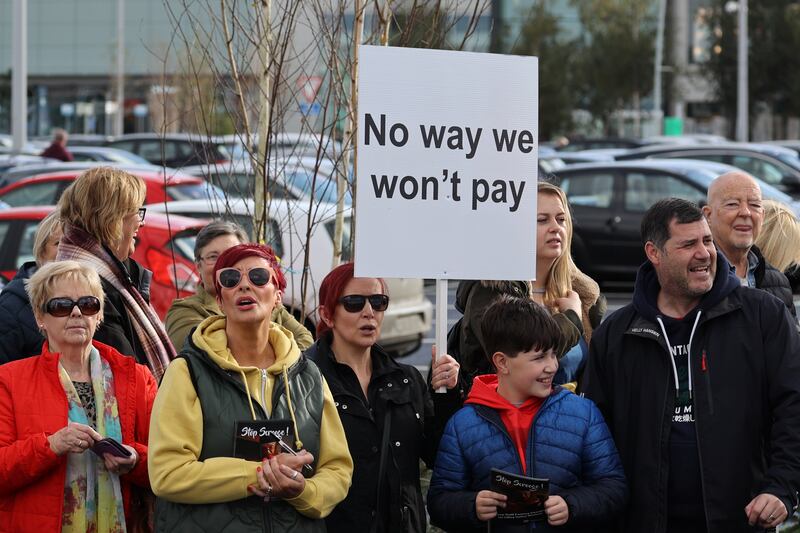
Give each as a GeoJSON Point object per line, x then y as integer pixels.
{"type": "Point", "coordinates": [210, 259]}
{"type": "Point", "coordinates": [231, 277]}
{"type": "Point", "coordinates": [60, 307]}
{"type": "Point", "coordinates": [142, 212]}
{"type": "Point", "coordinates": [353, 303]}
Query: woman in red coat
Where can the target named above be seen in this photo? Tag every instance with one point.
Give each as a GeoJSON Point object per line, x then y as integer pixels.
{"type": "Point", "coordinates": [63, 413]}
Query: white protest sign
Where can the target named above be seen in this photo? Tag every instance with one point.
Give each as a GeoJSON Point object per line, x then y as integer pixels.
{"type": "Point", "coordinates": [447, 164]}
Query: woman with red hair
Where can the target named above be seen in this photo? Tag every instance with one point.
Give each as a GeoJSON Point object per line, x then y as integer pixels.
{"type": "Point", "coordinates": [388, 416]}
{"type": "Point", "coordinates": [240, 375]}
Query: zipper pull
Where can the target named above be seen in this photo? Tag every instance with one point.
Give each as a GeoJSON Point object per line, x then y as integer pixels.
{"type": "Point", "coordinates": [703, 362]}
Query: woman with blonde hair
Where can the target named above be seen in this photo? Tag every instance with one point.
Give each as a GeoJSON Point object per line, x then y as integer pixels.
{"type": "Point", "coordinates": [779, 240]}
{"type": "Point", "coordinates": [74, 424]}
{"type": "Point", "coordinates": [572, 297]}
{"type": "Point", "coordinates": [19, 336]}
{"type": "Point", "coordinates": [102, 212]}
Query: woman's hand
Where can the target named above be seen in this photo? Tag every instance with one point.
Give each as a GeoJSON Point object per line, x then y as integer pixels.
{"type": "Point", "coordinates": [444, 370]}
{"type": "Point", "coordinates": [557, 511]}
{"type": "Point", "coordinates": [121, 465]}
{"type": "Point", "coordinates": [487, 502]}
{"type": "Point", "coordinates": [572, 301]}
{"type": "Point", "coordinates": [281, 476]}
{"type": "Point", "coordinates": [74, 438]}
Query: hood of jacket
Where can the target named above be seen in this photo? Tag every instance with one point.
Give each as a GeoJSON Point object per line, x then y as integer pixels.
{"type": "Point", "coordinates": [484, 392]}
{"type": "Point", "coordinates": [500, 286]}
{"type": "Point", "coordinates": [17, 285]}
{"type": "Point", "coordinates": [647, 287]}
{"type": "Point", "coordinates": [210, 337]}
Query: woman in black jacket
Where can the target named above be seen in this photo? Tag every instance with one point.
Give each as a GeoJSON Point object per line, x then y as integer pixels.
{"type": "Point", "coordinates": [388, 415]}
{"type": "Point", "coordinates": [102, 213]}
{"type": "Point", "coordinates": [19, 335]}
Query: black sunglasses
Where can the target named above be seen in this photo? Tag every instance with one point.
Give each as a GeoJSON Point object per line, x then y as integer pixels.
{"type": "Point", "coordinates": [353, 303]}
{"type": "Point", "coordinates": [88, 305]}
{"type": "Point", "coordinates": [231, 277]}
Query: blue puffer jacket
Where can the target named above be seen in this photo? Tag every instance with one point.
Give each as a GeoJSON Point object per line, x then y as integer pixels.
{"type": "Point", "coordinates": [19, 335]}
{"type": "Point", "coordinates": [569, 444]}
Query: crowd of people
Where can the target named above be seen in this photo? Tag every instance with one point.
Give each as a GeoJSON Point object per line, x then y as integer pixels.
{"type": "Point", "coordinates": [678, 413]}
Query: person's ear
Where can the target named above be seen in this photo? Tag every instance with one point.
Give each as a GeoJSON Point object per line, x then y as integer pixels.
{"type": "Point", "coordinates": [500, 361]}
{"type": "Point", "coordinates": [326, 316]}
{"type": "Point", "coordinates": [706, 211]}
{"type": "Point", "coordinates": [652, 252]}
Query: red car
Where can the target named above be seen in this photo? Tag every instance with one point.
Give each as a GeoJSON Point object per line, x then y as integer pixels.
{"type": "Point", "coordinates": [46, 189]}
{"type": "Point", "coordinates": [154, 250]}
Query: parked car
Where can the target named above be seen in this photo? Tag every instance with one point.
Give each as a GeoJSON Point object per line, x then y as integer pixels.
{"type": "Point", "coordinates": [591, 143]}
{"type": "Point", "coordinates": [775, 165]}
{"type": "Point", "coordinates": [290, 179]}
{"type": "Point", "coordinates": [46, 189]}
{"type": "Point", "coordinates": [106, 154]}
{"type": "Point", "coordinates": [173, 149]}
{"type": "Point", "coordinates": [410, 313]}
{"type": "Point", "coordinates": [166, 247]}
{"type": "Point", "coordinates": [26, 170]}
{"type": "Point", "coordinates": [608, 200]}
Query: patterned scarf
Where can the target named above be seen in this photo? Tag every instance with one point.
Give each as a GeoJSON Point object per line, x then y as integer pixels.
{"type": "Point", "coordinates": [92, 494]}
{"type": "Point", "coordinates": [79, 246]}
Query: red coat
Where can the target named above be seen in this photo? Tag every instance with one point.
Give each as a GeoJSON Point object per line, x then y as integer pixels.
{"type": "Point", "coordinates": [33, 405]}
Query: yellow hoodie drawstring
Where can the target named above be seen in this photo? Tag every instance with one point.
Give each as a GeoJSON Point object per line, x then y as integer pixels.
{"type": "Point", "coordinates": [297, 442]}
{"type": "Point", "coordinates": [247, 390]}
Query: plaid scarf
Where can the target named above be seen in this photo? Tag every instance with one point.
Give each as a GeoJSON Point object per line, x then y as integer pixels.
{"type": "Point", "coordinates": [92, 494]}
{"type": "Point", "coordinates": [77, 245]}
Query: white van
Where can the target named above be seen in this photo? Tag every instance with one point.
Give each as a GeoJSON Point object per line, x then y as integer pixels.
{"type": "Point", "coordinates": [409, 315]}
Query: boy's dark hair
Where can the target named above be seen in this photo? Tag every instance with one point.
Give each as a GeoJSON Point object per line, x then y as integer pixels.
{"type": "Point", "coordinates": [512, 325]}
{"type": "Point", "coordinates": [656, 221]}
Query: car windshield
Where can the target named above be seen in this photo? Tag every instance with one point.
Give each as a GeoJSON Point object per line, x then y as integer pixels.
{"type": "Point", "coordinates": [195, 191]}
{"type": "Point", "coordinates": [790, 159]}
{"type": "Point", "coordinates": [324, 188]}
{"type": "Point", "coordinates": [705, 177]}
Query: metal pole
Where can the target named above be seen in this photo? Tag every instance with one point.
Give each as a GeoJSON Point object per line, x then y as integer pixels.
{"type": "Point", "coordinates": [658, 114]}
{"type": "Point", "coordinates": [119, 118]}
{"type": "Point", "coordinates": [742, 127]}
{"type": "Point", "coordinates": [19, 75]}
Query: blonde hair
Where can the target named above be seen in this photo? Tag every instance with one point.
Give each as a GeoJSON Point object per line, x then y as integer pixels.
{"type": "Point", "coordinates": [99, 200]}
{"type": "Point", "coordinates": [558, 280]}
{"type": "Point", "coordinates": [42, 284]}
{"type": "Point", "coordinates": [49, 225]}
{"type": "Point", "coordinates": [779, 240]}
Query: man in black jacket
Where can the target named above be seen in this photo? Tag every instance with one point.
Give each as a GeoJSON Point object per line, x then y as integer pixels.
{"type": "Point", "coordinates": [699, 381]}
{"type": "Point", "coordinates": [735, 215]}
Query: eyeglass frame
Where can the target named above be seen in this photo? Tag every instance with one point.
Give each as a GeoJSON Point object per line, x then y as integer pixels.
{"type": "Point", "coordinates": [242, 275]}
{"type": "Point", "coordinates": [142, 211]}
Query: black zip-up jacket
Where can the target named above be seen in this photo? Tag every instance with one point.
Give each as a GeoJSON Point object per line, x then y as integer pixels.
{"type": "Point", "coordinates": [745, 362]}
{"type": "Point", "coordinates": [770, 279]}
{"type": "Point", "coordinates": [400, 402]}
{"type": "Point", "coordinates": [19, 334]}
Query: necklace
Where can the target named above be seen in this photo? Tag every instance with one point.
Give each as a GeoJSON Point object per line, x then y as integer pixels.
{"type": "Point", "coordinates": [538, 290]}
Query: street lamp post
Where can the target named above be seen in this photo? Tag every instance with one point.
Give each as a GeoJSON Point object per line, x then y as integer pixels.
{"type": "Point", "coordinates": [742, 127]}
{"type": "Point", "coordinates": [120, 114]}
{"type": "Point", "coordinates": [19, 75]}
{"type": "Point", "coordinates": [658, 114]}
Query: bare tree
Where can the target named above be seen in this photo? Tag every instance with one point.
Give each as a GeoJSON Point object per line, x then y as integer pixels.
{"type": "Point", "coordinates": [278, 66]}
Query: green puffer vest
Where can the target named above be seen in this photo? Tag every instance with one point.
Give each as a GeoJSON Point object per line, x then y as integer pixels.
{"type": "Point", "coordinates": [223, 401]}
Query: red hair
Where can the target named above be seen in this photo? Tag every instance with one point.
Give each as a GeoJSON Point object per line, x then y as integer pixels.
{"type": "Point", "coordinates": [231, 256]}
{"type": "Point", "coordinates": [332, 288]}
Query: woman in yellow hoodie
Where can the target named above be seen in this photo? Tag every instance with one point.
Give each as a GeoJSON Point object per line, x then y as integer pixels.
{"type": "Point", "coordinates": [241, 377]}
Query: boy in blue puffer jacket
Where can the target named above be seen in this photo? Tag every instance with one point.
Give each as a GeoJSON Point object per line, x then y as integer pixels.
{"type": "Point", "coordinates": [515, 420]}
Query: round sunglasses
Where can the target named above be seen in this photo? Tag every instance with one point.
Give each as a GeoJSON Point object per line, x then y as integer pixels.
{"type": "Point", "coordinates": [353, 303]}
{"type": "Point", "coordinates": [60, 307]}
{"type": "Point", "coordinates": [231, 277]}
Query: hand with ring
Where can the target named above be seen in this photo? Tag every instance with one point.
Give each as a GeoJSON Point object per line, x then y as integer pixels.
{"type": "Point", "coordinates": [444, 370]}
{"type": "Point", "coordinates": [766, 511]}
{"type": "Point", "coordinates": [282, 474]}
{"type": "Point", "coordinates": [73, 438]}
